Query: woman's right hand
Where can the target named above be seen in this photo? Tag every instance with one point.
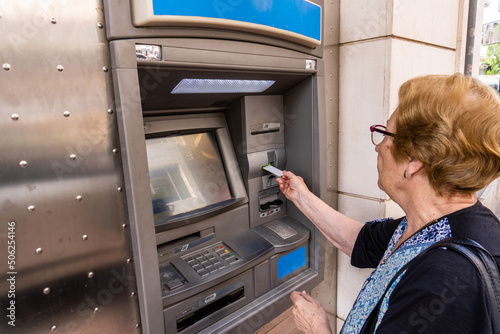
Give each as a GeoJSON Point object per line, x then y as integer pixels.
{"type": "Point", "coordinates": [292, 186]}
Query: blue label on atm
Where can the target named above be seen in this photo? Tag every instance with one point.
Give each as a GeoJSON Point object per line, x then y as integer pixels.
{"type": "Point", "coordinates": [291, 262]}
{"type": "Point", "coordinates": [298, 16]}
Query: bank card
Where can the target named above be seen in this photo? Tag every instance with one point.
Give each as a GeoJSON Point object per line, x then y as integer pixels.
{"type": "Point", "coordinates": [273, 170]}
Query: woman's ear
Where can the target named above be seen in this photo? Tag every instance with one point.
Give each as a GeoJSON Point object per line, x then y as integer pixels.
{"type": "Point", "coordinates": [413, 167]}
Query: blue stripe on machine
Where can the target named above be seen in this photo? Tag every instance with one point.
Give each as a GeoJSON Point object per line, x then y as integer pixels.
{"type": "Point", "coordinates": [298, 16]}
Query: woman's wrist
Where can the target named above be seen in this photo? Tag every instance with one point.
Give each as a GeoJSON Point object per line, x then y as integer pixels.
{"type": "Point", "coordinates": [323, 328]}
{"type": "Point", "coordinates": [303, 198]}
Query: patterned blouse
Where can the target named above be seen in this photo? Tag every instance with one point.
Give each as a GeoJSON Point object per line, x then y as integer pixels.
{"type": "Point", "coordinates": [393, 259]}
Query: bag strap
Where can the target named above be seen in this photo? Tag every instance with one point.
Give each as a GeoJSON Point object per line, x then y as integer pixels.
{"type": "Point", "coordinates": [488, 269]}
{"type": "Point", "coordinates": [482, 260]}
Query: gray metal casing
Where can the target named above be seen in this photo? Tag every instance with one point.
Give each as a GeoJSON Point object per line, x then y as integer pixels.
{"type": "Point", "coordinates": [61, 174]}
{"type": "Point", "coordinates": [303, 123]}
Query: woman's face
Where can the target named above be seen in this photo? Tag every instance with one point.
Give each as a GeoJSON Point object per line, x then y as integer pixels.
{"type": "Point", "coordinates": [389, 172]}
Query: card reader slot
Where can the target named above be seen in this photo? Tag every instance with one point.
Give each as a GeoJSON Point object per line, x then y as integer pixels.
{"type": "Point", "coordinates": [184, 243]}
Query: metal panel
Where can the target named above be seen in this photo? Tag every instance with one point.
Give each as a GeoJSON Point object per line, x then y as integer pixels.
{"type": "Point", "coordinates": [61, 179]}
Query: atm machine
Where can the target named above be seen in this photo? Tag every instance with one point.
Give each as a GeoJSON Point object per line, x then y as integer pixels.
{"type": "Point", "coordinates": [207, 93]}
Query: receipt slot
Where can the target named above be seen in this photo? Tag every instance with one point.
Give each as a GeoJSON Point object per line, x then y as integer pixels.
{"type": "Point", "coordinates": [216, 246]}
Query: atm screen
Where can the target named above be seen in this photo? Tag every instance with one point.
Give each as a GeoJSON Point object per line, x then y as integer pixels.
{"type": "Point", "coordinates": [187, 176]}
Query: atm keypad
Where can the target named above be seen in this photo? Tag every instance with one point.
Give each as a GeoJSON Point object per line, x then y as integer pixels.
{"type": "Point", "coordinates": [212, 261]}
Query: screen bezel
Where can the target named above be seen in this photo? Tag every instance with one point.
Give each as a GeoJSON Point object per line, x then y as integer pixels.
{"type": "Point", "coordinates": [176, 125]}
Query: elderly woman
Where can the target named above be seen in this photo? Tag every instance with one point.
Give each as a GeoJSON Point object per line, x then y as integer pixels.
{"type": "Point", "coordinates": [440, 146]}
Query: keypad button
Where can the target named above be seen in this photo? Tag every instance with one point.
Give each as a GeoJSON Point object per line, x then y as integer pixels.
{"type": "Point", "coordinates": [209, 261]}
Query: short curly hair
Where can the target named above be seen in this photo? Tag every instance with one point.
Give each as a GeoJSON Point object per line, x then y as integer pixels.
{"type": "Point", "coordinates": [452, 125]}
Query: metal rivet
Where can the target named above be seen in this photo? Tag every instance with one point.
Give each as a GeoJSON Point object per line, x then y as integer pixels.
{"type": "Point", "coordinates": [137, 325]}
{"type": "Point", "coordinates": [60, 68]}
{"type": "Point", "coordinates": [105, 69]}
{"type": "Point", "coordinates": [53, 328]}
{"type": "Point", "coordinates": [39, 251]}
{"type": "Point", "coordinates": [115, 151]}
{"type": "Point", "coordinates": [23, 164]}
{"type": "Point", "coordinates": [129, 261]}
{"type": "Point", "coordinates": [124, 226]}
{"type": "Point", "coordinates": [100, 25]}
{"type": "Point", "coordinates": [14, 117]}
{"type": "Point", "coordinates": [46, 291]}
{"type": "Point", "coordinates": [85, 237]}
{"type": "Point", "coordinates": [110, 111]}
{"type": "Point", "coordinates": [79, 198]}
{"type": "Point", "coordinates": [31, 208]}
{"type": "Point", "coordinates": [90, 274]}
{"type": "Point", "coordinates": [120, 189]}
{"type": "Point", "coordinates": [6, 67]}
{"type": "Point", "coordinates": [53, 20]}
{"type": "Point", "coordinates": [132, 294]}
{"type": "Point", "coordinates": [66, 113]}
{"type": "Point", "coordinates": [72, 156]}
{"type": "Point", "coordinates": [96, 310]}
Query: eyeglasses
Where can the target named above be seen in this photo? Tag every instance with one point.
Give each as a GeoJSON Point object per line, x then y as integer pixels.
{"type": "Point", "coordinates": [378, 134]}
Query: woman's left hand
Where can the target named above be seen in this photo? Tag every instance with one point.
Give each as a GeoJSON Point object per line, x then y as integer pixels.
{"type": "Point", "coordinates": [310, 316]}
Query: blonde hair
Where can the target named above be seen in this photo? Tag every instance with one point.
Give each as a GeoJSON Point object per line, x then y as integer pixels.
{"type": "Point", "coordinates": [452, 125]}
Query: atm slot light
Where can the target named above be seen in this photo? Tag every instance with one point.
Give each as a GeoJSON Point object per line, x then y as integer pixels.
{"type": "Point", "coordinates": [217, 86]}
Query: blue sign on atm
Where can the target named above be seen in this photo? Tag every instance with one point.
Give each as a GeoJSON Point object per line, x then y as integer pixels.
{"type": "Point", "coordinates": [297, 20]}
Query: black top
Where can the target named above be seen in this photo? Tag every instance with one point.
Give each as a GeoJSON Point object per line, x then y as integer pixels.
{"type": "Point", "coordinates": [441, 292]}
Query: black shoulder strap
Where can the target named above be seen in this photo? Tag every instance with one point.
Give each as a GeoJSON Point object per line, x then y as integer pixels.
{"type": "Point", "coordinates": [482, 260]}
{"type": "Point", "coordinates": [488, 269]}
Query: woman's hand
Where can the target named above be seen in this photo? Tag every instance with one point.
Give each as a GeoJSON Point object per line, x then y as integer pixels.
{"type": "Point", "coordinates": [292, 186]}
{"type": "Point", "coordinates": [310, 317]}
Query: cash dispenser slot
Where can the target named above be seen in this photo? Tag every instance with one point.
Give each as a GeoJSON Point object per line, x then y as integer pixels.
{"type": "Point", "coordinates": [203, 308]}
{"type": "Point", "coordinates": [214, 306]}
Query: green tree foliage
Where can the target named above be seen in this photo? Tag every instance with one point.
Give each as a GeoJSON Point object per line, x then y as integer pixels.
{"type": "Point", "coordinates": [493, 59]}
